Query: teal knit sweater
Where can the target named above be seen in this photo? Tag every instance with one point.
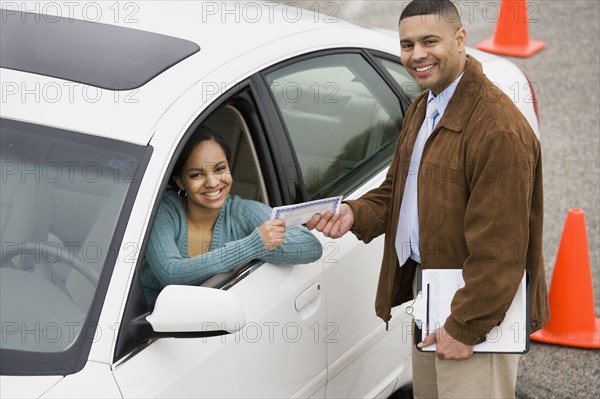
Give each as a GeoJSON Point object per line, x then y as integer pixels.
{"type": "Point", "coordinates": [235, 241]}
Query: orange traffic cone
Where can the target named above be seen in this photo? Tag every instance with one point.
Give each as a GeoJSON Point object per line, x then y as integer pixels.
{"type": "Point", "coordinates": [572, 321]}
{"type": "Point", "coordinates": [512, 34]}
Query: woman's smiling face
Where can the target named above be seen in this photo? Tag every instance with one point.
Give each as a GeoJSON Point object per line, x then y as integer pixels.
{"type": "Point", "coordinates": [206, 176]}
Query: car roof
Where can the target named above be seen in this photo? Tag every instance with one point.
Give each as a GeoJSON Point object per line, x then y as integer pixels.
{"type": "Point", "coordinates": [236, 39]}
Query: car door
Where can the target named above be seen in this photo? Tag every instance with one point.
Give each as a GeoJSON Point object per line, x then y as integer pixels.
{"type": "Point", "coordinates": [343, 117]}
{"type": "Point", "coordinates": [278, 352]}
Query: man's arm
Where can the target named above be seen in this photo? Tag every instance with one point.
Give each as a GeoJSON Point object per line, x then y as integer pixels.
{"type": "Point", "coordinates": [496, 234]}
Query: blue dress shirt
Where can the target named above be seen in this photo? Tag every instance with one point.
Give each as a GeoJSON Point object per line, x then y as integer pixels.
{"type": "Point", "coordinates": [407, 237]}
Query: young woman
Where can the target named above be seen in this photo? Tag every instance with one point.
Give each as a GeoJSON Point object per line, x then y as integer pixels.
{"type": "Point", "coordinates": [201, 230]}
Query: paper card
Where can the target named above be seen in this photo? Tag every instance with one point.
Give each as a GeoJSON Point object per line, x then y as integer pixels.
{"type": "Point", "coordinates": [298, 214]}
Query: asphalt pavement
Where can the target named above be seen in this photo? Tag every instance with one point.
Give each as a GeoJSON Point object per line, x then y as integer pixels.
{"type": "Point", "coordinates": [567, 77]}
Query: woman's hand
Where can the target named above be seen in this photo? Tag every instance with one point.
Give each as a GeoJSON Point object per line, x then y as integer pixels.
{"type": "Point", "coordinates": [272, 233]}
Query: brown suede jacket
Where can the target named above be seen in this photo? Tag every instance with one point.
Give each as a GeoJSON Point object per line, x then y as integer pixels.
{"type": "Point", "coordinates": [480, 208]}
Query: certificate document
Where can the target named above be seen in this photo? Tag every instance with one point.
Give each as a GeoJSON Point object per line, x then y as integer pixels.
{"type": "Point", "coordinates": [298, 214]}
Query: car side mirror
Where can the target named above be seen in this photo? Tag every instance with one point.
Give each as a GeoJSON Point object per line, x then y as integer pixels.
{"type": "Point", "coordinates": [190, 309]}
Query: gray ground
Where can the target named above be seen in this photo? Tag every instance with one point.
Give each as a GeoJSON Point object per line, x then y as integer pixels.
{"type": "Point", "coordinates": [567, 75]}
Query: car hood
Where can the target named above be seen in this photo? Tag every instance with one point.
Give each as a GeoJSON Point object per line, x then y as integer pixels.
{"type": "Point", "coordinates": [26, 386]}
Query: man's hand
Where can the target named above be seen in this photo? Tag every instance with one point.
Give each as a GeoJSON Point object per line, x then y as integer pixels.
{"type": "Point", "coordinates": [331, 224]}
{"type": "Point", "coordinates": [447, 348]}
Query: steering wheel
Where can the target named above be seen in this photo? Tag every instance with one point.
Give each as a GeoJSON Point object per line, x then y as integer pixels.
{"type": "Point", "coordinates": [84, 268]}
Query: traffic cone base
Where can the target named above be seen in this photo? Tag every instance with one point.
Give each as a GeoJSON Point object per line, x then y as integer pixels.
{"type": "Point", "coordinates": [512, 32]}
{"type": "Point", "coordinates": [571, 297]}
{"type": "Point", "coordinates": [515, 51]}
{"type": "Point", "coordinates": [581, 340]}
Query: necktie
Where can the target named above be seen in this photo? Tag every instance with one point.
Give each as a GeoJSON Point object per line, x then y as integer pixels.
{"type": "Point", "coordinates": [407, 237]}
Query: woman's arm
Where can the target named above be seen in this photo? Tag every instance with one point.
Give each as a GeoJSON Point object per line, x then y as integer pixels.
{"type": "Point", "coordinates": [168, 264]}
{"type": "Point", "coordinates": [299, 246]}
{"type": "Point", "coordinates": [170, 267]}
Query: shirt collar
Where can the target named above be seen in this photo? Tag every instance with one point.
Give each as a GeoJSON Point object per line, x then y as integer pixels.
{"type": "Point", "coordinates": [441, 100]}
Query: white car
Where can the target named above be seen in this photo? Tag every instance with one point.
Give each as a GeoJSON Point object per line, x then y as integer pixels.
{"type": "Point", "coordinates": [97, 101]}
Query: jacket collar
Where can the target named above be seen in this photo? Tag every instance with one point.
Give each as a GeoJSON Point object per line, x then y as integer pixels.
{"type": "Point", "coordinates": [462, 102]}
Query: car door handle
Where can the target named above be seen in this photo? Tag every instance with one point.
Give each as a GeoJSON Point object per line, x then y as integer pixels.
{"type": "Point", "coordinates": [307, 296]}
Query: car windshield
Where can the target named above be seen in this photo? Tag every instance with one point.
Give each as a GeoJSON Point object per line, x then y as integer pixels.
{"type": "Point", "coordinates": [62, 194]}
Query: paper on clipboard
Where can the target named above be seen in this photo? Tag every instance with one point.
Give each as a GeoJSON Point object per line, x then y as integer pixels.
{"type": "Point", "coordinates": [431, 308]}
{"type": "Point", "coordinates": [298, 214]}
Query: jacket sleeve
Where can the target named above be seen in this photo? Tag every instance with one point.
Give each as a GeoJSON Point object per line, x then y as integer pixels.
{"type": "Point", "coordinates": [496, 233]}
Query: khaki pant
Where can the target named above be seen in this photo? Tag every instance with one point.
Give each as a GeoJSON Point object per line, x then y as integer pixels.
{"type": "Point", "coordinates": [483, 375]}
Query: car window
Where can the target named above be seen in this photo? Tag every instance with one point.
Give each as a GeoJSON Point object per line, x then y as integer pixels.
{"type": "Point", "coordinates": [62, 194]}
{"type": "Point", "coordinates": [339, 114]}
{"type": "Point", "coordinates": [404, 80]}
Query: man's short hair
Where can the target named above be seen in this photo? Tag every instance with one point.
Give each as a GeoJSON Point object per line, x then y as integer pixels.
{"type": "Point", "coordinates": [443, 8]}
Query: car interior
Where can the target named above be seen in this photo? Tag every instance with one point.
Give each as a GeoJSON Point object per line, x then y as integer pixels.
{"type": "Point", "coordinates": [248, 182]}
{"type": "Point", "coordinates": [348, 130]}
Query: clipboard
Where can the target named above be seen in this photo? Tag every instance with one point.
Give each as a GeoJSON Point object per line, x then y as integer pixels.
{"type": "Point", "coordinates": [431, 307]}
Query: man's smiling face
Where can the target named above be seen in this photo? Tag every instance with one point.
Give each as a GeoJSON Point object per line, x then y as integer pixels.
{"type": "Point", "coordinates": [432, 50]}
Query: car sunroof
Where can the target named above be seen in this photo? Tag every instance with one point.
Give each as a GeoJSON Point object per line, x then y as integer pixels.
{"type": "Point", "coordinates": [101, 55]}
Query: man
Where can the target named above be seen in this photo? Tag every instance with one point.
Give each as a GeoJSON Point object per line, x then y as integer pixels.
{"type": "Point", "coordinates": [464, 190]}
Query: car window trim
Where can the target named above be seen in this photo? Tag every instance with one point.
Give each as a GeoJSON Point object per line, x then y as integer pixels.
{"type": "Point", "coordinates": [375, 57]}
{"type": "Point", "coordinates": [290, 180]}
